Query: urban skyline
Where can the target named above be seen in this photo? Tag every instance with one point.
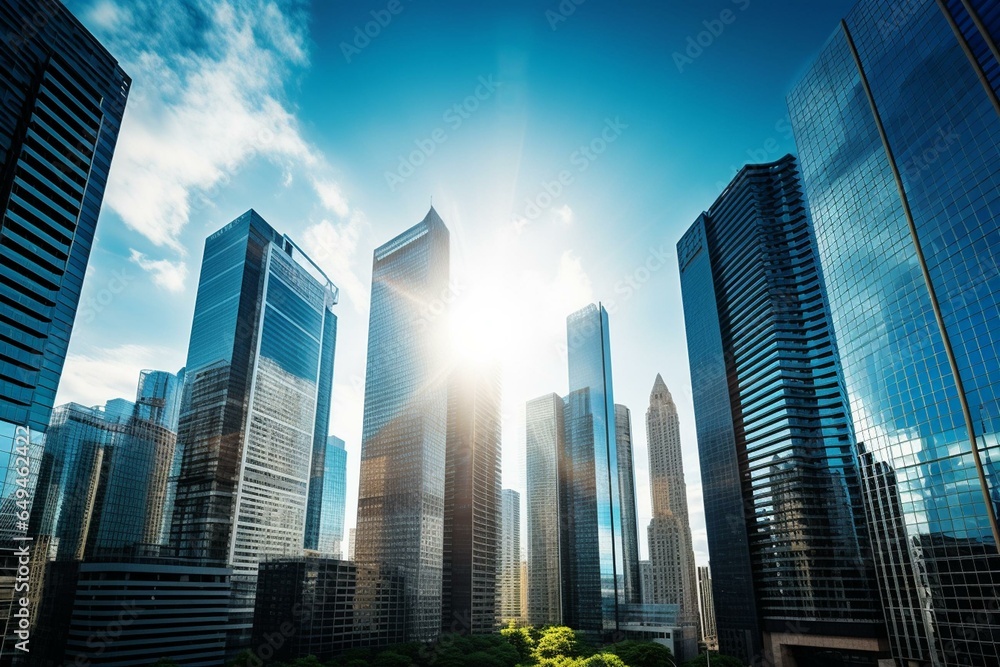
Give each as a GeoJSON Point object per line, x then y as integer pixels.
{"type": "Point", "coordinates": [830, 331]}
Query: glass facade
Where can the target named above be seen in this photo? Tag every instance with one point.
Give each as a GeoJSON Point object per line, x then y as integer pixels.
{"type": "Point", "coordinates": [593, 554]}
{"type": "Point", "coordinates": [898, 126]}
{"type": "Point", "coordinates": [785, 523]}
{"type": "Point", "coordinates": [626, 483]}
{"type": "Point", "coordinates": [545, 452]}
{"type": "Point", "coordinates": [671, 553]}
{"type": "Point", "coordinates": [62, 96]}
{"type": "Point", "coordinates": [509, 600]}
{"type": "Point", "coordinates": [471, 544]}
{"type": "Point", "coordinates": [327, 499]}
{"type": "Point", "coordinates": [257, 384]}
{"type": "Point", "coordinates": [706, 604]}
{"type": "Point", "coordinates": [401, 495]}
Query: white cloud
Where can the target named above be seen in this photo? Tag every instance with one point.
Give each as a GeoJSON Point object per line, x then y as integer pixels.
{"type": "Point", "coordinates": [169, 275]}
{"type": "Point", "coordinates": [94, 377]}
{"type": "Point", "coordinates": [333, 247]}
{"type": "Point", "coordinates": [564, 214]}
{"type": "Point", "coordinates": [207, 98]}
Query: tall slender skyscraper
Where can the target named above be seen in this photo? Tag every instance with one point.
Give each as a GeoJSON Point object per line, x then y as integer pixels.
{"type": "Point", "coordinates": [256, 400]}
{"type": "Point", "coordinates": [509, 584]}
{"type": "Point", "coordinates": [545, 454]}
{"type": "Point", "coordinates": [401, 495]}
{"type": "Point", "coordinates": [671, 553]}
{"type": "Point", "coordinates": [898, 128]}
{"type": "Point", "coordinates": [471, 545]}
{"type": "Point", "coordinates": [707, 607]}
{"type": "Point", "coordinates": [626, 483]}
{"type": "Point", "coordinates": [327, 499]}
{"type": "Point", "coordinates": [786, 530]}
{"type": "Point", "coordinates": [593, 562]}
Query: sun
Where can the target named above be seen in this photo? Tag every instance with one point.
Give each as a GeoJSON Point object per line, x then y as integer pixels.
{"type": "Point", "coordinates": [482, 326]}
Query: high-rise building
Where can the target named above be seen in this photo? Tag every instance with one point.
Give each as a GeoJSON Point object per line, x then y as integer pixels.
{"type": "Point", "coordinates": [327, 499]}
{"type": "Point", "coordinates": [706, 605]}
{"type": "Point", "coordinates": [351, 537]}
{"type": "Point", "coordinates": [646, 576]}
{"type": "Point", "coordinates": [73, 478]}
{"type": "Point", "coordinates": [593, 563]}
{"type": "Point", "coordinates": [626, 483]}
{"type": "Point", "coordinates": [898, 128]}
{"type": "Point", "coordinates": [472, 504]}
{"type": "Point", "coordinates": [786, 529]}
{"type": "Point", "coordinates": [401, 495]}
{"type": "Point", "coordinates": [671, 552]}
{"type": "Point", "coordinates": [509, 584]}
{"type": "Point", "coordinates": [545, 451]}
{"type": "Point", "coordinates": [255, 405]}
{"type": "Point", "coordinates": [134, 506]}
{"type": "Point", "coordinates": [64, 96]}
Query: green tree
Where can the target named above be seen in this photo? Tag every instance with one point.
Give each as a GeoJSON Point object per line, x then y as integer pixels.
{"type": "Point", "coordinates": [245, 658]}
{"type": "Point", "coordinates": [557, 641]}
{"type": "Point", "coordinates": [519, 638]}
{"type": "Point", "coordinates": [391, 659]}
{"type": "Point", "coordinates": [717, 661]}
{"type": "Point", "coordinates": [310, 661]}
{"type": "Point", "coordinates": [603, 660]}
{"type": "Point", "coordinates": [643, 654]}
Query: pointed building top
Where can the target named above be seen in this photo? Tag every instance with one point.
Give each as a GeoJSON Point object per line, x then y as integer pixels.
{"type": "Point", "coordinates": [660, 393]}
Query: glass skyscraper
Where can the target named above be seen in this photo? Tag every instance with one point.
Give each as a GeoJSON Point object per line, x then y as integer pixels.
{"type": "Point", "coordinates": [327, 499]}
{"type": "Point", "coordinates": [786, 529]}
{"type": "Point", "coordinates": [898, 128]}
{"type": "Point", "coordinates": [593, 558]}
{"type": "Point", "coordinates": [509, 602]}
{"type": "Point", "coordinates": [256, 402]}
{"type": "Point", "coordinates": [626, 483]}
{"type": "Point", "coordinates": [545, 452]}
{"type": "Point", "coordinates": [401, 495]}
{"type": "Point", "coordinates": [471, 546]}
{"type": "Point", "coordinates": [671, 552]}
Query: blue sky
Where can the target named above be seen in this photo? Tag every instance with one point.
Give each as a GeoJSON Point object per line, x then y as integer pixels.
{"type": "Point", "coordinates": [566, 151]}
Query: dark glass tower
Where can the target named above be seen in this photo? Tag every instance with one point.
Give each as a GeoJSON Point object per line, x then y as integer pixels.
{"type": "Point", "coordinates": [592, 551]}
{"type": "Point", "coordinates": [783, 509]}
{"type": "Point", "coordinates": [472, 500]}
{"type": "Point", "coordinates": [256, 402]}
{"type": "Point", "coordinates": [898, 126]}
{"type": "Point", "coordinates": [327, 499]}
{"type": "Point", "coordinates": [63, 96]}
{"type": "Point", "coordinates": [401, 495]}
{"type": "Point", "coordinates": [626, 483]}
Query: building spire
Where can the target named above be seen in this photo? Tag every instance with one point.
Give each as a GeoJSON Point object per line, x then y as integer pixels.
{"type": "Point", "coordinates": [660, 393]}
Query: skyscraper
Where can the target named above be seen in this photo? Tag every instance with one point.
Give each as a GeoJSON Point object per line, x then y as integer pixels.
{"type": "Point", "coordinates": [786, 530]}
{"type": "Point", "coordinates": [898, 128]}
{"type": "Point", "coordinates": [472, 505]}
{"type": "Point", "coordinates": [401, 495]}
{"type": "Point", "coordinates": [671, 553]}
{"type": "Point", "coordinates": [593, 563]}
{"type": "Point", "coordinates": [706, 605]}
{"type": "Point", "coordinates": [545, 452]}
{"type": "Point", "coordinates": [327, 499]}
{"type": "Point", "coordinates": [256, 402]}
{"type": "Point", "coordinates": [509, 584]}
{"type": "Point", "coordinates": [626, 483]}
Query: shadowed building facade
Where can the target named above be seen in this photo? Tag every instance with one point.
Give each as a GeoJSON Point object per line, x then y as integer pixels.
{"type": "Point", "coordinates": [545, 450]}
{"type": "Point", "coordinates": [626, 484]}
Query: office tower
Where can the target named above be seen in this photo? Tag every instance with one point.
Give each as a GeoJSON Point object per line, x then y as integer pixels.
{"type": "Point", "coordinates": [593, 564]}
{"type": "Point", "coordinates": [134, 505]}
{"type": "Point", "coordinates": [671, 552]}
{"type": "Point", "coordinates": [317, 597]}
{"type": "Point", "coordinates": [523, 570]}
{"type": "Point", "coordinates": [351, 536]}
{"type": "Point", "coordinates": [898, 128]}
{"type": "Point", "coordinates": [626, 483]}
{"type": "Point", "coordinates": [133, 612]}
{"type": "Point", "coordinates": [327, 499]}
{"type": "Point", "coordinates": [472, 504]}
{"type": "Point", "coordinates": [73, 474]}
{"type": "Point", "coordinates": [545, 450]}
{"type": "Point", "coordinates": [509, 584]}
{"type": "Point", "coordinates": [401, 495]}
{"type": "Point", "coordinates": [64, 96]}
{"type": "Point", "coordinates": [646, 575]}
{"type": "Point", "coordinates": [786, 530]}
{"type": "Point", "coordinates": [255, 405]}
{"type": "Point", "coordinates": [707, 608]}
